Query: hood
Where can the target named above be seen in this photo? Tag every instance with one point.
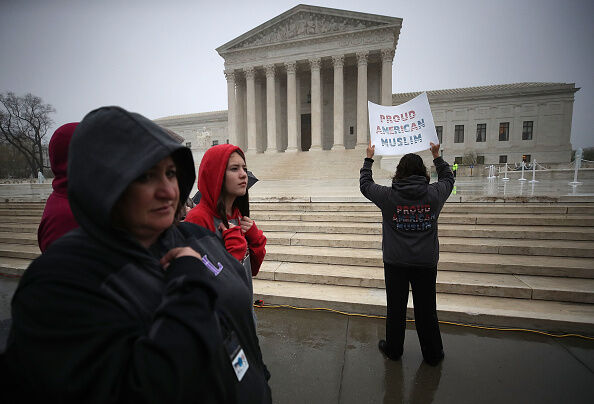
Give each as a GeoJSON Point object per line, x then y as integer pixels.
{"type": "Point", "coordinates": [111, 147]}
{"type": "Point", "coordinates": [411, 187]}
{"type": "Point", "coordinates": [58, 156]}
{"type": "Point", "coordinates": [212, 173]}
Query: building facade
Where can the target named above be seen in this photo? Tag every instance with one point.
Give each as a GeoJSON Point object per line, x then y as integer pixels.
{"type": "Point", "coordinates": [506, 123]}
{"type": "Point", "coordinates": [301, 82]}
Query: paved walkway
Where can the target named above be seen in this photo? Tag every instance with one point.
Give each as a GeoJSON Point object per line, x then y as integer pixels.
{"type": "Point", "coordinates": [321, 357]}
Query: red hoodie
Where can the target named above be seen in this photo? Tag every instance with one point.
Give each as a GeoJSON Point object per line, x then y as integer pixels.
{"type": "Point", "coordinates": [210, 182]}
{"type": "Point", "coordinates": [57, 218]}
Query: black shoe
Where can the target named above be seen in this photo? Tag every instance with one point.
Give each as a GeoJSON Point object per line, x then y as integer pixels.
{"type": "Point", "coordinates": [383, 347]}
{"type": "Point", "coordinates": [435, 361]}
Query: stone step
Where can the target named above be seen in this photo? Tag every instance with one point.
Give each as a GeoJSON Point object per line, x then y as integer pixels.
{"type": "Point", "coordinates": [478, 284]}
{"type": "Point", "coordinates": [559, 248]}
{"type": "Point", "coordinates": [21, 212]}
{"type": "Point", "coordinates": [19, 227]}
{"type": "Point", "coordinates": [445, 230]}
{"type": "Point", "coordinates": [13, 266]}
{"type": "Point", "coordinates": [451, 218]}
{"type": "Point", "coordinates": [18, 238]}
{"type": "Point", "coordinates": [493, 208]}
{"type": "Point", "coordinates": [21, 219]}
{"type": "Point", "coordinates": [11, 250]}
{"type": "Point", "coordinates": [22, 205]}
{"type": "Point", "coordinates": [448, 261]}
{"type": "Point", "coordinates": [562, 317]}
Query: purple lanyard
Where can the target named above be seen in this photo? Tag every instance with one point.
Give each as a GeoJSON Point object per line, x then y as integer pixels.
{"type": "Point", "coordinates": [211, 267]}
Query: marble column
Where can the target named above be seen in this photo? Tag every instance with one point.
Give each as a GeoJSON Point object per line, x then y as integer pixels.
{"type": "Point", "coordinates": [362, 100]}
{"type": "Point", "coordinates": [251, 109]}
{"type": "Point", "coordinates": [338, 62]}
{"type": "Point", "coordinates": [316, 105]}
{"type": "Point", "coordinates": [291, 107]}
{"type": "Point", "coordinates": [231, 109]}
{"type": "Point", "coordinates": [240, 107]}
{"type": "Point", "coordinates": [270, 110]}
{"type": "Point", "coordinates": [387, 58]}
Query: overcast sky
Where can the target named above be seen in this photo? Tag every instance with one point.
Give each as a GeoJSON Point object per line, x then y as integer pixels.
{"type": "Point", "coordinates": [158, 57]}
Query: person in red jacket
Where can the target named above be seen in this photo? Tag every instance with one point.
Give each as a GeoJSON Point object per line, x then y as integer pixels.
{"type": "Point", "coordinates": [224, 207]}
{"type": "Point", "coordinates": [57, 218]}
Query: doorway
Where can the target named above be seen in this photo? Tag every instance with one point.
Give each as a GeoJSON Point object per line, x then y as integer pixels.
{"type": "Point", "coordinates": [305, 132]}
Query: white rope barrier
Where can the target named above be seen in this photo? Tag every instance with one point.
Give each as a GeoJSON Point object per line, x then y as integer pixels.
{"type": "Point", "coordinates": [522, 179]}
{"type": "Point", "coordinates": [533, 180]}
{"type": "Point", "coordinates": [578, 163]}
{"type": "Point", "coordinates": [505, 178]}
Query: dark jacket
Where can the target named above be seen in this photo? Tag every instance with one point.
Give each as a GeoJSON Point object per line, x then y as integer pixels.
{"type": "Point", "coordinates": [97, 319]}
{"type": "Point", "coordinates": [57, 218]}
{"type": "Point", "coordinates": [410, 209]}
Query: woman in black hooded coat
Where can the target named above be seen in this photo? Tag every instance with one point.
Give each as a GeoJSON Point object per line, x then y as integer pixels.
{"type": "Point", "coordinates": [132, 307]}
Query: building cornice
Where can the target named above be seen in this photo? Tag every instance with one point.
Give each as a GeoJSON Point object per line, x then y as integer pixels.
{"type": "Point", "coordinates": [212, 116]}
{"type": "Point", "coordinates": [499, 91]}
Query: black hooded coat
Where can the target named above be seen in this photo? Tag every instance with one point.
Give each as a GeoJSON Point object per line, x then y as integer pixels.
{"type": "Point", "coordinates": [96, 319]}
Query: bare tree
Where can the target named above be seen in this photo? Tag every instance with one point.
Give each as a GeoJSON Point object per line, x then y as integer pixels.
{"type": "Point", "coordinates": [469, 159]}
{"type": "Point", "coordinates": [24, 122]}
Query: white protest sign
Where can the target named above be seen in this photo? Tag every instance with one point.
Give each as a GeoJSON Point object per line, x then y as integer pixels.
{"type": "Point", "coordinates": [406, 128]}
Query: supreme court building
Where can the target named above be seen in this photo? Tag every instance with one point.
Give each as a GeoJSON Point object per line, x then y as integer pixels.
{"type": "Point", "coordinates": [301, 82]}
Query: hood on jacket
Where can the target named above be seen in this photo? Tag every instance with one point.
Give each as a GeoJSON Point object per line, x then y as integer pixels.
{"type": "Point", "coordinates": [112, 147]}
{"type": "Point", "coordinates": [212, 173]}
{"type": "Point", "coordinates": [411, 187]}
{"type": "Point", "coordinates": [58, 156]}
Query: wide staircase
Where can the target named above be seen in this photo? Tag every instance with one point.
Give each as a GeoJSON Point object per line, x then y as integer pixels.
{"type": "Point", "coordinates": [514, 265]}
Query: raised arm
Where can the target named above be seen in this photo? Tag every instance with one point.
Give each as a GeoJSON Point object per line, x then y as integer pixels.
{"type": "Point", "coordinates": [375, 193]}
{"type": "Point", "coordinates": [445, 177]}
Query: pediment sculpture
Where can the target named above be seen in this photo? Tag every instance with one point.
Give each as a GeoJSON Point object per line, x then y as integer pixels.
{"type": "Point", "coordinates": [306, 24]}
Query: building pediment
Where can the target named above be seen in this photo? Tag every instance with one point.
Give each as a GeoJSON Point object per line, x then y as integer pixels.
{"type": "Point", "coordinates": [308, 22]}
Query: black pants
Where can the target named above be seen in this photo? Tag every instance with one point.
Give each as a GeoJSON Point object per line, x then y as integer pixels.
{"type": "Point", "coordinates": [422, 281]}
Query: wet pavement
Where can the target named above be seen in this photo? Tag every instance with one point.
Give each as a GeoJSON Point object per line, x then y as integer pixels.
{"type": "Point", "coordinates": [323, 357]}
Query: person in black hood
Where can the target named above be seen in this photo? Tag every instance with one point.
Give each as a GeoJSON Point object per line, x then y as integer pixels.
{"type": "Point", "coordinates": [132, 306]}
{"type": "Point", "coordinates": [410, 209]}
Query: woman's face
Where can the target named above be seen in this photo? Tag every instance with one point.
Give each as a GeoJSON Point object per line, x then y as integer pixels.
{"type": "Point", "coordinates": [235, 176]}
{"type": "Point", "coordinates": [148, 206]}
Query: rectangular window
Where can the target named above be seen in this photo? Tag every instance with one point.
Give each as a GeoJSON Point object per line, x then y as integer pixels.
{"type": "Point", "coordinates": [526, 158]}
{"type": "Point", "coordinates": [480, 159]}
{"type": "Point", "coordinates": [351, 130]}
{"type": "Point", "coordinates": [457, 160]}
{"type": "Point", "coordinates": [439, 130]}
{"type": "Point", "coordinates": [227, 141]}
{"type": "Point", "coordinates": [527, 130]}
{"type": "Point", "coordinates": [459, 134]}
{"type": "Point", "coordinates": [481, 132]}
{"type": "Point", "coordinates": [215, 142]}
{"type": "Point", "coordinates": [504, 131]}
{"type": "Point", "coordinates": [502, 159]}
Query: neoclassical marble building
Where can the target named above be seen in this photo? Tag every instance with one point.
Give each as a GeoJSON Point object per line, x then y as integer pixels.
{"type": "Point", "coordinates": [301, 82]}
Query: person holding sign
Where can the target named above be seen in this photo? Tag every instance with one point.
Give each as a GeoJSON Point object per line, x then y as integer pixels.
{"type": "Point", "coordinates": [410, 209]}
